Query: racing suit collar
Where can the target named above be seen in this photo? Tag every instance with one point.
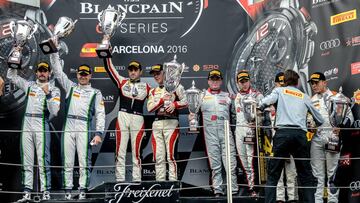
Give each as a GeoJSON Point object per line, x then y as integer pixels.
{"type": "Point", "coordinates": [85, 86]}
{"type": "Point", "coordinates": [41, 83]}
{"type": "Point", "coordinates": [134, 80]}
{"type": "Point", "coordinates": [213, 91]}
{"type": "Point", "coordinates": [245, 92]}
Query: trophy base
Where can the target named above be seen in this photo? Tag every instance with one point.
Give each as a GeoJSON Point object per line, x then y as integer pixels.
{"type": "Point", "coordinates": [48, 47]}
{"type": "Point", "coordinates": [103, 51]}
{"type": "Point", "coordinates": [332, 148]}
{"type": "Point", "coordinates": [249, 140]}
{"type": "Point", "coordinates": [14, 62]}
{"type": "Point", "coordinates": [193, 131]}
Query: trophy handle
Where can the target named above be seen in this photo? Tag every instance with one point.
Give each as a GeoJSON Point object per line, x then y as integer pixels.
{"type": "Point", "coordinates": [33, 32]}
{"type": "Point", "coordinates": [12, 27]}
{"type": "Point", "coordinates": [182, 68]}
{"type": "Point", "coordinates": [100, 16]}
{"type": "Point", "coordinates": [122, 17]}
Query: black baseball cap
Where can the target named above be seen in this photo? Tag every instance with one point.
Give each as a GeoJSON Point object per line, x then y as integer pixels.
{"type": "Point", "coordinates": [84, 69]}
{"type": "Point", "coordinates": [134, 65]}
{"type": "Point", "coordinates": [156, 68]}
{"type": "Point", "coordinates": [215, 74]}
{"type": "Point", "coordinates": [280, 78]}
{"type": "Point", "coordinates": [43, 65]}
{"type": "Point", "coordinates": [317, 76]}
{"type": "Point", "coordinates": [243, 75]}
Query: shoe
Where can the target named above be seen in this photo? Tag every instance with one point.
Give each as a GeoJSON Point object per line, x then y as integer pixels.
{"type": "Point", "coordinates": [26, 197]}
{"type": "Point", "coordinates": [68, 196]}
{"type": "Point", "coordinates": [46, 195]}
{"type": "Point", "coordinates": [82, 195]}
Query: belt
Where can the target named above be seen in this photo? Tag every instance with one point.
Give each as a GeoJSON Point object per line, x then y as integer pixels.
{"type": "Point", "coordinates": [159, 118]}
{"type": "Point", "coordinates": [132, 112]}
{"type": "Point", "coordinates": [37, 115]}
{"type": "Point", "coordinates": [290, 126]}
{"type": "Point", "coordinates": [77, 117]}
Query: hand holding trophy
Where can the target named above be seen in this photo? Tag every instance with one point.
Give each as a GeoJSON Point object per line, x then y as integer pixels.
{"type": "Point", "coordinates": [194, 97]}
{"type": "Point", "coordinates": [21, 31]}
{"type": "Point", "coordinates": [63, 28]}
{"type": "Point", "coordinates": [109, 20]}
{"type": "Point", "coordinates": [338, 106]}
{"type": "Point", "coordinates": [172, 72]}
{"type": "Point", "coordinates": [249, 106]}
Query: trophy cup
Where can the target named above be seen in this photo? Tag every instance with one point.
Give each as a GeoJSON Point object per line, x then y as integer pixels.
{"type": "Point", "coordinates": [21, 31]}
{"type": "Point", "coordinates": [194, 97]}
{"type": "Point", "coordinates": [63, 28]}
{"type": "Point", "coordinates": [172, 72]}
{"type": "Point", "coordinates": [109, 19]}
{"type": "Point", "coordinates": [249, 105]}
{"type": "Point", "coordinates": [337, 106]}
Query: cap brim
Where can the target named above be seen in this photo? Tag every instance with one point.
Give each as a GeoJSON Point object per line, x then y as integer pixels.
{"type": "Point", "coordinates": [43, 68]}
{"type": "Point", "coordinates": [243, 78]}
{"type": "Point", "coordinates": [84, 72]}
{"type": "Point", "coordinates": [153, 71]}
{"type": "Point", "coordinates": [314, 79]}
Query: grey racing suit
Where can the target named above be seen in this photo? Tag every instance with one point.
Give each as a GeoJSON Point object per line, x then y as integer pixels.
{"type": "Point", "coordinates": [82, 105]}
{"type": "Point", "coordinates": [165, 130]}
{"type": "Point", "coordinates": [215, 109]}
{"type": "Point", "coordinates": [35, 129]}
{"type": "Point", "coordinates": [246, 152]}
{"type": "Point", "coordinates": [324, 163]}
{"type": "Point", "coordinates": [130, 121]}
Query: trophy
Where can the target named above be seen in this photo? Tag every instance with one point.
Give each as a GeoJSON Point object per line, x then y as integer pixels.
{"type": "Point", "coordinates": [337, 106]}
{"type": "Point", "coordinates": [109, 19]}
{"type": "Point", "coordinates": [63, 28]}
{"type": "Point", "coordinates": [248, 103]}
{"type": "Point", "coordinates": [194, 97]}
{"type": "Point", "coordinates": [172, 72]}
{"type": "Point", "coordinates": [21, 31]}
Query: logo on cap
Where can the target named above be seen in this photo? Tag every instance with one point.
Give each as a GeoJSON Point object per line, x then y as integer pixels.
{"type": "Point", "coordinates": [84, 69]}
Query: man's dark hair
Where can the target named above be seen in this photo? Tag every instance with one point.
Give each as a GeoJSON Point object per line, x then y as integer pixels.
{"type": "Point", "coordinates": [291, 78]}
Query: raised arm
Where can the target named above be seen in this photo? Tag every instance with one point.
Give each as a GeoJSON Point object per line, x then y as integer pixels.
{"type": "Point", "coordinates": [17, 80]}
{"type": "Point", "coordinates": [114, 75]}
{"type": "Point", "coordinates": [62, 78]}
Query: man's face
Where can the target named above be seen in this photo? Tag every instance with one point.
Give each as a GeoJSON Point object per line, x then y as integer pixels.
{"type": "Point", "coordinates": [215, 83]}
{"type": "Point", "coordinates": [42, 75]}
{"type": "Point", "coordinates": [83, 78]}
{"type": "Point", "coordinates": [134, 73]}
{"type": "Point", "coordinates": [318, 86]}
{"type": "Point", "coordinates": [158, 76]}
{"type": "Point", "coordinates": [244, 84]}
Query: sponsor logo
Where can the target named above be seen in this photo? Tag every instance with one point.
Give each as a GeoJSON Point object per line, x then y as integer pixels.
{"type": "Point", "coordinates": [88, 50]}
{"type": "Point", "coordinates": [194, 171]}
{"type": "Point", "coordinates": [209, 67]}
{"type": "Point", "coordinates": [150, 16]}
{"type": "Point", "coordinates": [355, 68]}
{"type": "Point", "coordinates": [357, 96]}
{"type": "Point", "coordinates": [355, 185]}
{"type": "Point", "coordinates": [332, 73]}
{"type": "Point", "coordinates": [196, 67]}
{"type": "Point", "coordinates": [99, 69]}
{"type": "Point", "coordinates": [357, 124]}
{"type": "Point", "coordinates": [318, 3]}
{"type": "Point", "coordinates": [294, 93]}
{"type": "Point", "coordinates": [343, 17]}
{"type": "Point", "coordinates": [108, 98]}
{"type": "Point", "coordinates": [345, 160]}
{"type": "Point", "coordinates": [329, 44]}
{"type": "Point", "coordinates": [353, 41]}
{"type": "Point", "coordinates": [155, 191]}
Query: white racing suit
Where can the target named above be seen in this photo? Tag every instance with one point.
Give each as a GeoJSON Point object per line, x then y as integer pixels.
{"type": "Point", "coordinates": [215, 109]}
{"type": "Point", "coordinates": [246, 152]}
{"type": "Point", "coordinates": [35, 134]}
{"type": "Point", "coordinates": [165, 130]}
{"type": "Point", "coordinates": [319, 156]}
{"type": "Point", "coordinates": [83, 103]}
{"type": "Point", "coordinates": [130, 123]}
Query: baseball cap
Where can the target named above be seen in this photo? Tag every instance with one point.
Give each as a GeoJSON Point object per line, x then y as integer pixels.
{"type": "Point", "coordinates": [243, 75]}
{"type": "Point", "coordinates": [215, 74]}
{"type": "Point", "coordinates": [317, 76]}
{"type": "Point", "coordinates": [84, 69]}
{"type": "Point", "coordinates": [43, 65]}
{"type": "Point", "coordinates": [134, 65]}
{"type": "Point", "coordinates": [280, 78]}
{"type": "Point", "coordinates": [156, 68]}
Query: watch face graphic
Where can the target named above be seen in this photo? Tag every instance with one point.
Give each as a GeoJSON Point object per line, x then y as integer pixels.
{"type": "Point", "coordinates": [276, 42]}
{"type": "Point", "coordinates": [14, 98]}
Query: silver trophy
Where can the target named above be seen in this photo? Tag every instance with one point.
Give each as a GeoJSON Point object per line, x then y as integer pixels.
{"type": "Point", "coordinates": [194, 97]}
{"type": "Point", "coordinates": [172, 72]}
{"type": "Point", "coordinates": [109, 19]}
{"type": "Point", "coordinates": [337, 106]}
{"type": "Point", "coordinates": [63, 28]}
{"type": "Point", "coordinates": [21, 31]}
{"type": "Point", "coordinates": [248, 103]}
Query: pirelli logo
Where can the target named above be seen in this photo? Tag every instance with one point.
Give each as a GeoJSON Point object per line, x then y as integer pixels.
{"type": "Point", "coordinates": [294, 93]}
{"type": "Point", "coordinates": [99, 69]}
{"type": "Point", "coordinates": [343, 17]}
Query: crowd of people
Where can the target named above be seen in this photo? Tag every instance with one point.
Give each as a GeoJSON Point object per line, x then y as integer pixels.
{"type": "Point", "coordinates": [292, 114]}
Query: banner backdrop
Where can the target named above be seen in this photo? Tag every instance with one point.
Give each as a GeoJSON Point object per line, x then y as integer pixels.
{"type": "Point", "coordinates": [264, 37]}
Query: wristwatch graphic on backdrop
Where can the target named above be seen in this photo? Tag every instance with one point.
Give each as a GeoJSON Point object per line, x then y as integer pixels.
{"type": "Point", "coordinates": [281, 38]}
